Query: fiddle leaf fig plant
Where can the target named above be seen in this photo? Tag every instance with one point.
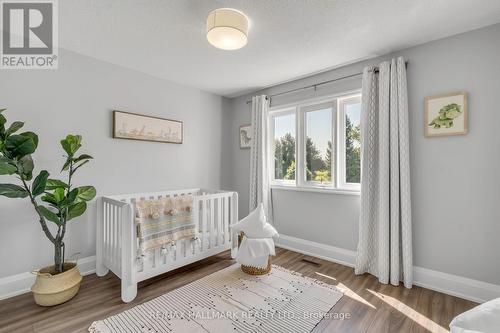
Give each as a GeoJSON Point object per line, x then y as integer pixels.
{"type": "Point", "coordinates": [53, 200]}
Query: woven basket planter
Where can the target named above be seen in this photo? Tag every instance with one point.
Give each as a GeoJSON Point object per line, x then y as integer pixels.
{"type": "Point", "coordinates": [50, 290]}
{"type": "Point", "coordinates": [254, 270]}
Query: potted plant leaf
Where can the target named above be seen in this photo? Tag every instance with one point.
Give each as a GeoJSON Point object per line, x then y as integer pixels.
{"type": "Point", "coordinates": [53, 200]}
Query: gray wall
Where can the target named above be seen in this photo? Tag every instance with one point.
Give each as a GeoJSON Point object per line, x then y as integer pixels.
{"type": "Point", "coordinates": [455, 180]}
{"type": "Point", "coordinates": [78, 98]}
{"type": "Point", "coordinates": [455, 184]}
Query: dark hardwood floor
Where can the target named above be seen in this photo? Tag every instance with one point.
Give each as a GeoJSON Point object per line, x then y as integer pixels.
{"type": "Point", "coordinates": [372, 307]}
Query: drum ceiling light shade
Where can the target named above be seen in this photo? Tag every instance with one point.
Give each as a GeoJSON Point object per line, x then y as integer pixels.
{"type": "Point", "coordinates": [227, 28]}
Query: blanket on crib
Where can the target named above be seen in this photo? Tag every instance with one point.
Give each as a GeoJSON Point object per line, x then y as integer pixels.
{"type": "Point", "coordinates": [160, 222]}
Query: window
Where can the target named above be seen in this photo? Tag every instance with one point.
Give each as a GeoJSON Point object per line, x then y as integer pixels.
{"type": "Point", "coordinates": [317, 144]}
{"type": "Point", "coordinates": [350, 149]}
{"type": "Point", "coordinates": [283, 128]}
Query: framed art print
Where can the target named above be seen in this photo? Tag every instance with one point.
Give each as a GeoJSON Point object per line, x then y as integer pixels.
{"type": "Point", "coordinates": [446, 114]}
{"type": "Point", "coordinates": [245, 136]}
{"type": "Point", "coordinates": [134, 126]}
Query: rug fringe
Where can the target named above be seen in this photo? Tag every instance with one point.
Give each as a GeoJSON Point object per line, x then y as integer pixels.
{"type": "Point", "coordinates": [98, 327]}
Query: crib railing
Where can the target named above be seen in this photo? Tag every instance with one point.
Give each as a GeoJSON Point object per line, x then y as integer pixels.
{"type": "Point", "coordinates": [117, 243]}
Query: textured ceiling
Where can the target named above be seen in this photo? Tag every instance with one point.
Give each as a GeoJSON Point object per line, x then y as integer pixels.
{"type": "Point", "coordinates": [287, 39]}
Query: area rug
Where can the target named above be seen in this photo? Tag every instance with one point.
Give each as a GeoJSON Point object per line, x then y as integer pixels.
{"type": "Point", "coordinates": [232, 301]}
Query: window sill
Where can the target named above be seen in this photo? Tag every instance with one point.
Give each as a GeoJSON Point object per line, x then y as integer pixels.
{"type": "Point", "coordinates": [340, 191]}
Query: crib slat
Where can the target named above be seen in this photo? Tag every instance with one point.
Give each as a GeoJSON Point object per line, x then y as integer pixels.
{"type": "Point", "coordinates": [204, 235]}
{"type": "Point", "coordinates": [115, 231]}
{"type": "Point", "coordinates": [233, 218]}
{"type": "Point", "coordinates": [213, 233]}
{"type": "Point", "coordinates": [103, 230]}
{"type": "Point", "coordinates": [196, 217]}
{"type": "Point", "coordinates": [108, 233]}
{"type": "Point", "coordinates": [219, 221]}
{"type": "Point", "coordinates": [226, 220]}
{"type": "Point", "coordinates": [115, 234]}
{"type": "Point", "coordinates": [156, 256]}
{"type": "Point", "coordinates": [175, 253]}
{"type": "Point", "coordinates": [119, 236]}
{"type": "Point", "coordinates": [185, 243]}
{"type": "Point", "coordinates": [112, 234]}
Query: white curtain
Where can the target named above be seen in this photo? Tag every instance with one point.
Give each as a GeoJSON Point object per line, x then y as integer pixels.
{"type": "Point", "coordinates": [259, 164]}
{"type": "Point", "coordinates": [385, 235]}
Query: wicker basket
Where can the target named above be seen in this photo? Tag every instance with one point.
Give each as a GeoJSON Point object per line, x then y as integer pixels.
{"type": "Point", "coordinates": [50, 290]}
{"type": "Point", "coordinates": [254, 270]}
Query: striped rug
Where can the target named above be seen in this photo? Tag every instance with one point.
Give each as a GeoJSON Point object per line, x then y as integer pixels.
{"type": "Point", "coordinates": [232, 301]}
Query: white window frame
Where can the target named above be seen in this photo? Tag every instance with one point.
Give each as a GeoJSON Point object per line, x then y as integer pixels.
{"type": "Point", "coordinates": [303, 110]}
{"type": "Point", "coordinates": [270, 122]}
{"type": "Point", "coordinates": [341, 137]}
{"type": "Point", "coordinates": [337, 102]}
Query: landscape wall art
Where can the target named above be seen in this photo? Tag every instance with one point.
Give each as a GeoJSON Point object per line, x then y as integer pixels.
{"type": "Point", "coordinates": [133, 126]}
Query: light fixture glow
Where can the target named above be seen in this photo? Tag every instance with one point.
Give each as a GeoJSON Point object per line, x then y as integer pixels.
{"type": "Point", "coordinates": [227, 28]}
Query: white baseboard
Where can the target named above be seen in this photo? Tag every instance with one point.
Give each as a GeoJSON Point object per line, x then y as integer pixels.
{"type": "Point", "coordinates": [470, 289]}
{"type": "Point", "coordinates": [318, 250]}
{"type": "Point", "coordinates": [473, 290]}
{"type": "Point", "coordinates": [18, 284]}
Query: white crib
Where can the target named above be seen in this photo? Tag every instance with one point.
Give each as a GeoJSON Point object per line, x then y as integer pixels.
{"type": "Point", "coordinates": [116, 243]}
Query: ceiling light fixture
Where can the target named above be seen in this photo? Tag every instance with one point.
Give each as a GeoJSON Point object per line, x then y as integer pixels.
{"type": "Point", "coordinates": [227, 28]}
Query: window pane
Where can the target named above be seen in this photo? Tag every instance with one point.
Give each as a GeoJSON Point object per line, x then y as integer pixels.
{"type": "Point", "coordinates": [319, 145]}
{"type": "Point", "coordinates": [284, 147]}
{"type": "Point", "coordinates": [353, 142]}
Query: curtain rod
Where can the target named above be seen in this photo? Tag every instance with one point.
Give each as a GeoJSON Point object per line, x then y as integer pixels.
{"type": "Point", "coordinates": [319, 84]}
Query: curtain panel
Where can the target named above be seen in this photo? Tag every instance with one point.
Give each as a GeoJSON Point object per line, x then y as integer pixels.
{"type": "Point", "coordinates": [385, 232]}
{"type": "Point", "coordinates": [260, 190]}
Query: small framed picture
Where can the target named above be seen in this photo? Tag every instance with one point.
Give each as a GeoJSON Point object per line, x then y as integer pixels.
{"type": "Point", "coordinates": [446, 114]}
{"type": "Point", "coordinates": [245, 136]}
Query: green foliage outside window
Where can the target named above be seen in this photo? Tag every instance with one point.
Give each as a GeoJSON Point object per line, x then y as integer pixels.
{"type": "Point", "coordinates": [317, 166]}
{"type": "Point", "coordinates": [353, 152]}
{"type": "Point", "coordinates": [284, 155]}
